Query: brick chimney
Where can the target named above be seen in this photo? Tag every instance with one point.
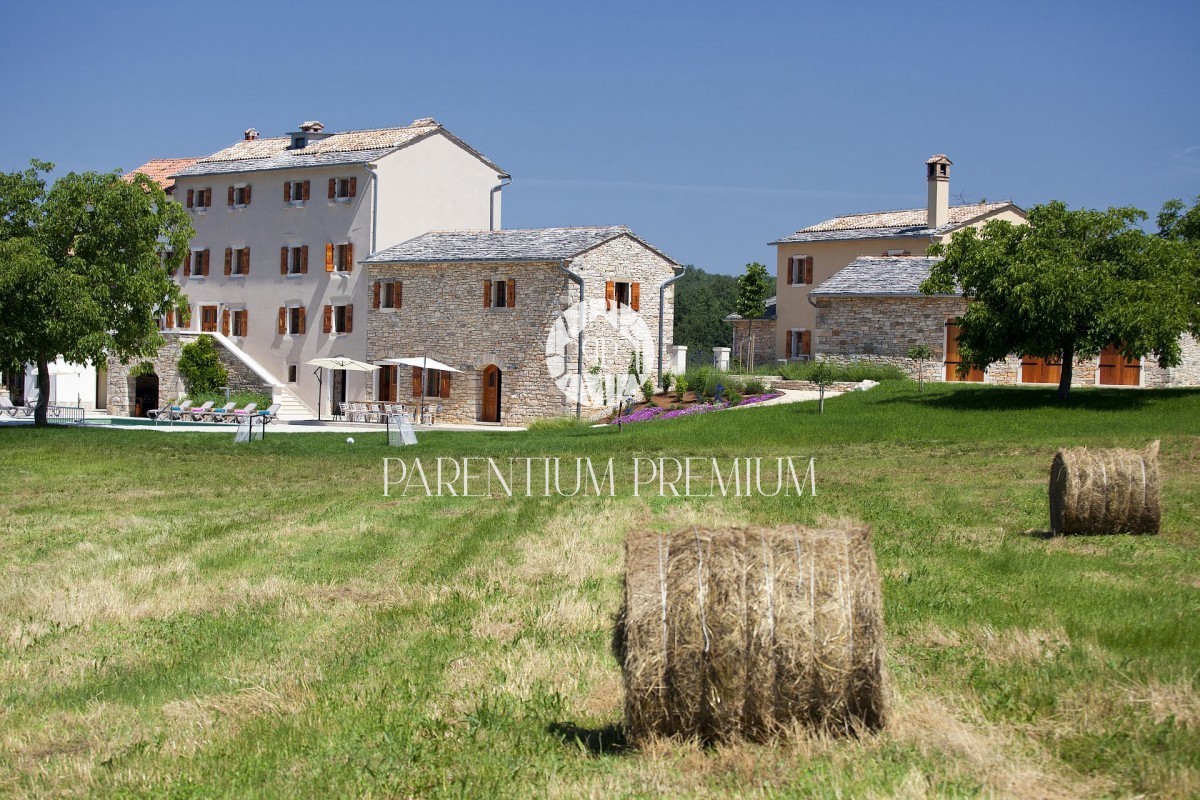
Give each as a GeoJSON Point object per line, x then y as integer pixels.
{"type": "Point", "coordinates": [250, 134]}
{"type": "Point", "coordinates": [937, 171]}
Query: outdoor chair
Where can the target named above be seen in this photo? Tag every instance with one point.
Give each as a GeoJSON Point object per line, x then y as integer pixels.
{"type": "Point", "coordinates": [242, 413]}
{"type": "Point", "coordinates": [430, 414]}
{"type": "Point", "coordinates": [198, 414]}
{"type": "Point", "coordinates": [224, 413]}
{"type": "Point", "coordinates": [271, 414]}
{"type": "Point", "coordinates": [178, 412]}
{"type": "Point", "coordinates": [355, 412]}
{"type": "Point", "coordinates": [6, 407]}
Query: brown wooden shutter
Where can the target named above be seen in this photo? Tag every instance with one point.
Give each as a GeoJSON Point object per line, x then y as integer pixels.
{"type": "Point", "coordinates": [487, 294]}
{"type": "Point", "coordinates": [806, 342]}
{"type": "Point", "coordinates": [332, 188]}
{"type": "Point", "coordinates": [444, 385]}
{"type": "Point", "coordinates": [353, 186]}
{"type": "Point", "coordinates": [208, 197]}
{"type": "Point", "coordinates": [398, 294]}
{"type": "Point", "coordinates": [305, 187]}
{"type": "Point", "coordinates": [349, 258]}
{"type": "Point", "coordinates": [225, 322]}
{"type": "Point", "coordinates": [282, 320]}
{"type": "Point", "coordinates": [635, 296]}
{"type": "Point", "coordinates": [170, 318]}
{"type": "Point", "coordinates": [790, 266]}
{"type": "Point", "coordinates": [228, 260]}
{"type": "Point", "coordinates": [375, 296]}
{"type": "Point", "coordinates": [247, 194]}
{"type": "Point", "coordinates": [791, 341]}
{"type": "Point", "coordinates": [304, 260]}
{"type": "Point", "coordinates": [191, 199]}
{"type": "Point", "coordinates": [416, 382]}
{"type": "Point", "coordinates": [329, 319]}
{"type": "Point", "coordinates": [287, 191]}
{"type": "Point", "coordinates": [283, 255]}
{"type": "Point", "coordinates": [303, 319]}
{"type": "Point", "coordinates": [329, 257]}
{"type": "Point", "coordinates": [207, 254]}
{"type": "Point", "coordinates": [229, 195]}
{"type": "Point", "coordinates": [349, 318]}
{"type": "Point", "coordinates": [610, 292]}
{"type": "Point", "coordinates": [244, 260]}
{"type": "Point", "coordinates": [808, 270]}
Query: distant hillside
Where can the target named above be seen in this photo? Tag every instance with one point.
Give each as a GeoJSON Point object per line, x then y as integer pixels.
{"type": "Point", "coordinates": [702, 301]}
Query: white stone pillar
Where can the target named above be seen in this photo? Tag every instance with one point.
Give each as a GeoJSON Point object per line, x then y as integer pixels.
{"type": "Point", "coordinates": [679, 359]}
{"type": "Point", "coordinates": [721, 357]}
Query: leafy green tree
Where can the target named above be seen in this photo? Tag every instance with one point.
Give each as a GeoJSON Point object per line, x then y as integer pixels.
{"type": "Point", "coordinates": [702, 301]}
{"type": "Point", "coordinates": [754, 287]}
{"type": "Point", "coordinates": [920, 353]}
{"type": "Point", "coordinates": [1068, 284]}
{"type": "Point", "coordinates": [84, 268]}
{"type": "Point", "coordinates": [1177, 224]}
{"type": "Point", "coordinates": [200, 366]}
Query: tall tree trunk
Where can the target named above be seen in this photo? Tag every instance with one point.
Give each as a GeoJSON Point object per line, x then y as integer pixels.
{"type": "Point", "coordinates": [751, 346]}
{"type": "Point", "coordinates": [1068, 366]}
{"type": "Point", "coordinates": [43, 385]}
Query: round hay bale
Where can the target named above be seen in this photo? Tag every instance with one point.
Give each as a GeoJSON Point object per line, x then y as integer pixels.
{"type": "Point", "coordinates": [1105, 491]}
{"type": "Point", "coordinates": [745, 632]}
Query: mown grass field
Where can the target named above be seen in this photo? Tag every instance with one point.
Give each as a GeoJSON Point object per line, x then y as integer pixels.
{"type": "Point", "coordinates": [180, 616]}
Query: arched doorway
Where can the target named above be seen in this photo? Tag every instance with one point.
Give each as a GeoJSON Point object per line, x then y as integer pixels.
{"type": "Point", "coordinates": [145, 394]}
{"type": "Point", "coordinates": [491, 394]}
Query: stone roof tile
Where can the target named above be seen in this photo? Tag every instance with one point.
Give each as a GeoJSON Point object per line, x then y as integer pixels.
{"type": "Point", "coordinates": [874, 276]}
{"type": "Point", "coordinates": [521, 244]}
{"type": "Point", "coordinates": [911, 222]}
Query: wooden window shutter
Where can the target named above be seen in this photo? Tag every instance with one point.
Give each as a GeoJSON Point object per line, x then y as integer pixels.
{"type": "Point", "coordinates": [511, 299]}
{"type": "Point", "coordinates": [349, 258]}
{"type": "Point", "coordinates": [398, 294]}
{"type": "Point", "coordinates": [416, 382]}
{"type": "Point", "coordinates": [287, 191]}
{"type": "Point", "coordinates": [283, 254]}
{"type": "Point", "coordinates": [349, 318]}
{"type": "Point", "coordinates": [329, 257]}
{"type": "Point", "coordinates": [332, 188]}
{"type": "Point", "coordinates": [247, 193]}
{"type": "Point", "coordinates": [444, 385]}
{"type": "Point", "coordinates": [375, 296]}
{"type": "Point", "coordinates": [635, 296]}
{"type": "Point", "coordinates": [225, 322]}
{"type": "Point", "coordinates": [244, 260]}
{"type": "Point", "coordinates": [806, 342]}
{"type": "Point", "coordinates": [229, 195]}
{"type": "Point", "coordinates": [329, 319]}
{"type": "Point", "coordinates": [790, 272]}
{"type": "Point", "coordinates": [808, 269]}
{"type": "Point", "coordinates": [206, 254]}
{"type": "Point", "coordinates": [170, 318]}
{"type": "Point", "coordinates": [610, 292]}
{"type": "Point", "coordinates": [791, 343]}
{"type": "Point", "coordinates": [245, 321]}
{"type": "Point", "coordinates": [304, 260]}
{"type": "Point", "coordinates": [191, 197]}
{"type": "Point", "coordinates": [208, 197]}
{"type": "Point", "coordinates": [303, 319]}
{"type": "Point", "coordinates": [487, 294]}
{"type": "Point", "coordinates": [282, 320]}
{"type": "Point", "coordinates": [228, 260]}
{"type": "Point", "coordinates": [304, 188]}
{"type": "Point", "coordinates": [353, 186]}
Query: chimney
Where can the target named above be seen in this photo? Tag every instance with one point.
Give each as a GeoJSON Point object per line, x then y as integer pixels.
{"type": "Point", "coordinates": [310, 131]}
{"type": "Point", "coordinates": [312, 127]}
{"type": "Point", "coordinates": [937, 170]}
{"type": "Point", "coordinates": [251, 134]}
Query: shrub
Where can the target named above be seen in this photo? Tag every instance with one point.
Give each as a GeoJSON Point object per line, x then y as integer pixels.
{"type": "Point", "coordinates": [241, 399]}
{"type": "Point", "coordinates": [755, 387]}
{"type": "Point", "coordinates": [681, 387]}
{"type": "Point", "coordinates": [648, 390]}
{"type": "Point", "coordinates": [804, 370]}
{"type": "Point", "coordinates": [566, 422]}
{"type": "Point", "coordinates": [734, 397]}
{"type": "Point", "coordinates": [667, 380]}
{"type": "Point", "coordinates": [201, 367]}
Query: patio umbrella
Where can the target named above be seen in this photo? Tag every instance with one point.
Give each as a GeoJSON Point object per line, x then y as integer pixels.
{"type": "Point", "coordinates": [425, 363]}
{"type": "Point", "coordinates": [336, 362]}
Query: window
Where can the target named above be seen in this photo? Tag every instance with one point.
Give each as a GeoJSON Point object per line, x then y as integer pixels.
{"type": "Point", "coordinates": [800, 270]}
{"type": "Point", "coordinates": [434, 382]}
{"type": "Point", "coordinates": [293, 372]}
{"type": "Point", "coordinates": [295, 192]}
{"type": "Point", "coordinates": [237, 260]}
{"type": "Point", "coordinates": [339, 257]}
{"type": "Point", "coordinates": [799, 343]}
{"type": "Point", "coordinates": [500, 293]}
{"type": "Point", "coordinates": [293, 260]}
{"type": "Point", "coordinates": [239, 196]}
{"type": "Point", "coordinates": [199, 198]}
{"type": "Point", "coordinates": [199, 265]}
{"type": "Point", "coordinates": [208, 319]}
{"type": "Point", "coordinates": [622, 293]}
{"type": "Point", "coordinates": [342, 188]}
{"type": "Point", "coordinates": [388, 294]}
{"type": "Point", "coordinates": [387, 383]}
{"type": "Point", "coordinates": [339, 319]}
{"type": "Point", "coordinates": [235, 322]}
{"type": "Point", "coordinates": [291, 320]}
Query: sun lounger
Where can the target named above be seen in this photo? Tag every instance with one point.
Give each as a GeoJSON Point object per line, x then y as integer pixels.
{"type": "Point", "coordinates": [271, 414]}
{"type": "Point", "coordinates": [6, 407]}
{"type": "Point", "coordinates": [241, 413]}
{"type": "Point", "coordinates": [222, 414]}
{"type": "Point", "coordinates": [198, 414]}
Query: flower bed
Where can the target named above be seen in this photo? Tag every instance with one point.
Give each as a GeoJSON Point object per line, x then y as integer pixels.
{"type": "Point", "coordinates": [652, 412]}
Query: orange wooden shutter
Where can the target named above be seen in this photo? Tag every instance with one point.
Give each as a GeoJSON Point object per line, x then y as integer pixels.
{"type": "Point", "coordinates": [635, 296]}
{"type": "Point", "coordinates": [282, 320]}
{"type": "Point", "coordinates": [283, 254]}
{"type": "Point", "coordinates": [349, 318]}
{"type": "Point", "coordinates": [244, 260]}
{"type": "Point", "coordinates": [287, 191]}
{"type": "Point", "coordinates": [444, 385]}
{"type": "Point", "coordinates": [247, 195]}
{"type": "Point", "coordinates": [332, 188]}
{"type": "Point", "coordinates": [207, 254]}
{"type": "Point", "coordinates": [790, 265]}
{"type": "Point", "coordinates": [398, 294]}
{"type": "Point", "coordinates": [791, 342]}
{"type": "Point", "coordinates": [353, 186]}
{"type": "Point", "coordinates": [416, 382]}
{"type": "Point", "coordinates": [808, 269]}
{"type": "Point", "coordinates": [225, 322]}
{"type": "Point", "coordinates": [349, 258]}
{"type": "Point", "coordinates": [375, 297]}
{"type": "Point", "coordinates": [487, 294]}
{"type": "Point", "coordinates": [304, 260]}
{"type": "Point", "coordinates": [329, 257]}
{"type": "Point", "coordinates": [610, 291]}
{"type": "Point", "coordinates": [329, 319]}
{"type": "Point", "coordinates": [191, 198]}
{"type": "Point", "coordinates": [229, 195]}
{"type": "Point", "coordinates": [512, 293]}
{"type": "Point", "coordinates": [170, 318]}
{"type": "Point", "coordinates": [305, 187]}
{"type": "Point", "coordinates": [228, 260]}
{"type": "Point", "coordinates": [208, 197]}
{"type": "Point", "coordinates": [303, 319]}
{"type": "Point", "coordinates": [806, 342]}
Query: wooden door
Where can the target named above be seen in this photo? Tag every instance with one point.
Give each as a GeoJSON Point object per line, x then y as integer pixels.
{"type": "Point", "coordinates": [1116, 370]}
{"type": "Point", "coordinates": [1040, 370]}
{"type": "Point", "coordinates": [491, 393]}
{"type": "Point", "coordinates": [952, 359]}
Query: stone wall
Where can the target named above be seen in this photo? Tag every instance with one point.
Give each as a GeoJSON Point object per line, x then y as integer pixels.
{"type": "Point", "coordinates": [240, 377]}
{"type": "Point", "coordinates": [166, 367]}
{"type": "Point", "coordinates": [764, 340]}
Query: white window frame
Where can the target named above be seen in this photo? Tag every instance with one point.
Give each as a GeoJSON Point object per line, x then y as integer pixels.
{"type": "Point", "coordinates": [296, 197]}
{"type": "Point", "coordinates": [293, 319]}
{"type": "Point", "coordinates": [240, 189]}
{"type": "Point", "coordinates": [235, 264]}
{"type": "Point", "coordinates": [338, 267]}
{"type": "Point", "coordinates": [198, 197]}
{"type": "Point", "coordinates": [334, 328]}
{"type": "Point", "coordinates": [193, 272]}
{"type": "Point", "coordinates": [340, 184]}
{"type": "Point", "coordinates": [233, 321]}
{"type": "Point", "coordinates": [797, 353]}
{"type": "Point", "coordinates": [796, 270]}
{"type": "Point", "coordinates": [387, 291]}
{"type": "Point", "coordinates": [294, 255]}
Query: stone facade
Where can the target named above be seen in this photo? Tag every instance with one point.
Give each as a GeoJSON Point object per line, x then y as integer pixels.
{"type": "Point", "coordinates": [764, 340]}
{"type": "Point", "coordinates": [534, 344]}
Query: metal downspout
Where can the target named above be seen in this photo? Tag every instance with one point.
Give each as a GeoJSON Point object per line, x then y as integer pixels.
{"type": "Point", "coordinates": [505, 180]}
{"type": "Point", "coordinates": [575, 276]}
{"type": "Point", "coordinates": [662, 293]}
{"type": "Point", "coordinates": [374, 204]}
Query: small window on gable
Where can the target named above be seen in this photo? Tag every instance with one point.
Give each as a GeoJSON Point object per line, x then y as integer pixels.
{"type": "Point", "coordinates": [390, 294]}
{"type": "Point", "coordinates": [800, 270]}
{"type": "Point", "coordinates": [500, 293]}
{"type": "Point", "coordinates": [622, 294]}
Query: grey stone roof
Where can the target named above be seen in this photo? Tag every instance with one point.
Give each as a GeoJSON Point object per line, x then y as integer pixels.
{"type": "Point", "coordinates": [521, 244]}
{"type": "Point", "coordinates": [873, 276]}
{"type": "Point", "coordinates": [907, 223]}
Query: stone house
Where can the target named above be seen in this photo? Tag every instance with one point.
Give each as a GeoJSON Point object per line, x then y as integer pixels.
{"type": "Point", "coordinates": [274, 271]}
{"type": "Point", "coordinates": [812, 255]}
{"type": "Point", "coordinates": [757, 335]}
{"type": "Point", "coordinates": [513, 310]}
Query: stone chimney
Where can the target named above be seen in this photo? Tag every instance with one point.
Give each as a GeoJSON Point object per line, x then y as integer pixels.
{"type": "Point", "coordinates": [314, 127]}
{"type": "Point", "coordinates": [251, 134]}
{"type": "Point", "coordinates": [937, 171]}
{"type": "Point", "coordinates": [310, 131]}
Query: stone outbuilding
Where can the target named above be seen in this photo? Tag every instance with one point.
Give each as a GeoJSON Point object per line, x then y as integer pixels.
{"type": "Point", "coordinates": [756, 335]}
{"type": "Point", "coordinates": [507, 309]}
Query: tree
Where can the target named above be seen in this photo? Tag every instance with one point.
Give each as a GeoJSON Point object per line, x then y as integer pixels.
{"type": "Point", "coordinates": [84, 268]}
{"type": "Point", "coordinates": [1068, 284]}
{"type": "Point", "coordinates": [1176, 224]}
{"type": "Point", "coordinates": [920, 353]}
{"type": "Point", "coordinates": [200, 366]}
{"type": "Point", "coordinates": [702, 301]}
{"type": "Point", "coordinates": [754, 287]}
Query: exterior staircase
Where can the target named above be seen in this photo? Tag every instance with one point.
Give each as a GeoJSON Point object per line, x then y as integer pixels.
{"type": "Point", "coordinates": [291, 407]}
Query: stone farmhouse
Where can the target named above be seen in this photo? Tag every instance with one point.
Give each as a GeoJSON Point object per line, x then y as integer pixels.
{"type": "Point", "coordinates": [507, 308]}
{"type": "Point", "coordinates": [282, 225]}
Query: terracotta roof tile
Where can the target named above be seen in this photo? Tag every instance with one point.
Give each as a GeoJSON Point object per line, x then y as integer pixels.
{"type": "Point", "coordinates": [891, 224]}
{"type": "Point", "coordinates": [160, 170]}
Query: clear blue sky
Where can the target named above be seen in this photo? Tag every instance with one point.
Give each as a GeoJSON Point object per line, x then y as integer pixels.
{"type": "Point", "coordinates": [708, 128]}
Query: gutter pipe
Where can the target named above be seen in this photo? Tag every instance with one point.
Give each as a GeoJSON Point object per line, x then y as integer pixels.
{"type": "Point", "coordinates": [662, 290]}
{"type": "Point", "coordinates": [505, 180]}
{"type": "Point", "coordinates": [577, 278]}
{"type": "Point", "coordinates": [374, 203]}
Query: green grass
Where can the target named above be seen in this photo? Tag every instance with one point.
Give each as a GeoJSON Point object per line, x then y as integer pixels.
{"type": "Point", "coordinates": [181, 616]}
